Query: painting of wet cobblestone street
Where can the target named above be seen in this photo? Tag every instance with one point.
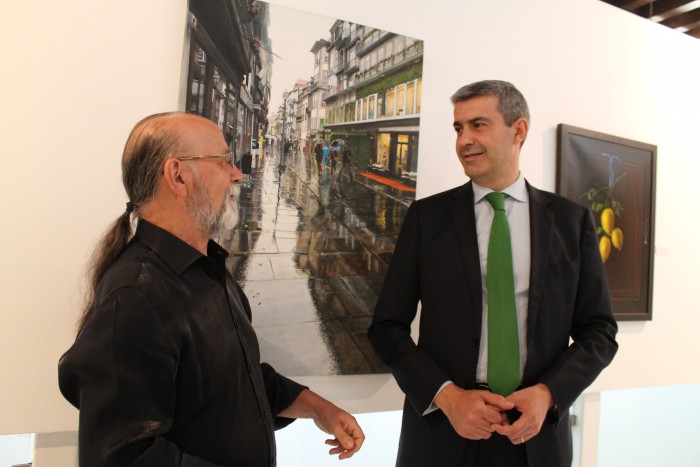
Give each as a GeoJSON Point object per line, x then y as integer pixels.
{"type": "Point", "coordinates": [322, 115]}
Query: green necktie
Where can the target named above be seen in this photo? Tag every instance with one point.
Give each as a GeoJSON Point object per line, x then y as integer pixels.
{"type": "Point", "coordinates": [504, 353]}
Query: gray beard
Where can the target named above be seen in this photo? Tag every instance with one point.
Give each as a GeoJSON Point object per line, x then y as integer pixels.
{"type": "Point", "coordinates": [229, 218]}
{"type": "Point", "coordinates": [200, 207]}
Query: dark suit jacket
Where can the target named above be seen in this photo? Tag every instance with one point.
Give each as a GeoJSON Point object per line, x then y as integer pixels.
{"type": "Point", "coordinates": [436, 263]}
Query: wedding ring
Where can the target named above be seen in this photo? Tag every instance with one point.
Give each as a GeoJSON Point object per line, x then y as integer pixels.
{"type": "Point", "coordinates": [522, 440]}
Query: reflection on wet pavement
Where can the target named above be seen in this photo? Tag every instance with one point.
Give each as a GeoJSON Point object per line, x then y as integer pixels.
{"type": "Point", "coordinates": [311, 253]}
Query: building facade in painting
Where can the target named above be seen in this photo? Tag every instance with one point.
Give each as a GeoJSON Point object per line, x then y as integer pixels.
{"type": "Point", "coordinates": [365, 88]}
{"type": "Point", "coordinates": [318, 91]}
{"type": "Point", "coordinates": [374, 97]}
{"type": "Point", "coordinates": [230, 67]}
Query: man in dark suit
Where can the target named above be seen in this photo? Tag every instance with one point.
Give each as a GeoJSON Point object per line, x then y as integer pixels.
{"type": "Point", "coordinates": [565, 327]}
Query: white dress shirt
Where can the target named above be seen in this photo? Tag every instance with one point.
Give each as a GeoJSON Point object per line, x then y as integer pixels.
{"type": "Point", "coordinates": [518, 214]}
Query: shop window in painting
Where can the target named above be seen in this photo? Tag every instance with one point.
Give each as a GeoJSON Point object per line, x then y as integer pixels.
{"type": "Point", "coordinates": [218, 98]}
{"type": "Point", "coordinates": [371, 106]}
{"type": "Point", "coordinates": [199, 74]}
{"type": "Point", "coordinates": [401, 161]}
{"type": "Point", "coordinates": [390, 109]}
{"type": "Point", "coordinates": [383, 147]}
{"type": "Point", "coordinates": [400, 100]}
{"type": "Point", "coordinates": [419, 89]}
{"type": "Point", "coordinates": [411, 97]}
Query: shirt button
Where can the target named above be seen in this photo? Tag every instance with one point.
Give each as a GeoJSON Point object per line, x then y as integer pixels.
{"type": "Point", "coordinates": [475, 342]}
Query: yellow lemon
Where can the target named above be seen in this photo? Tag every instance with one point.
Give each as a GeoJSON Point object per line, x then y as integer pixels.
{"type": "Point", "coordinates": [605, 247]}
{"type": "Point", "coordinates": [617, 238]}
{"type": "Point", "coordinates": [607, 220]}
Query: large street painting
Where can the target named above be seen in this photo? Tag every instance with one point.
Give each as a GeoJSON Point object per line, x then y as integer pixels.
{"type": "Point", "coordinates": [322, 115]}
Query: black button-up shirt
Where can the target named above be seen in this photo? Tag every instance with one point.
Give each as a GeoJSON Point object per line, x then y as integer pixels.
{"type": "Point", "coordinates": [167, 371]}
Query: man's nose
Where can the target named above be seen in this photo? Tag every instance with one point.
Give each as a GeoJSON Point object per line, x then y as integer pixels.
{"type": "Point", "coordinates": [465, 138]}
{"type": "Point", "coordinates": [236, 174]}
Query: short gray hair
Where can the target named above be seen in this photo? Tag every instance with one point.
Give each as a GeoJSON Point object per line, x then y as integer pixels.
{"type": "Point", "coordinates": [511, 103]}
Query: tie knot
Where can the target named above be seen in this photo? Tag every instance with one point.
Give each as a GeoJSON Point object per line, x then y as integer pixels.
{"type": "Point", "coordinates": [497, 200]}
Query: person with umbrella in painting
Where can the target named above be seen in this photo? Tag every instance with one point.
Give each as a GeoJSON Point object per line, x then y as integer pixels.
{"type": "Point", "coordinates": [318, 153]}
{"type": "Point", "coordinates": [334, 158]}
{"type": "Point", "coordinates": [347, 157]}
{"type": "Point", "coordinates": [326, 155]}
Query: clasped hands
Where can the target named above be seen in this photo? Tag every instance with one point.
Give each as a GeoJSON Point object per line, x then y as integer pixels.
{"type": "Point", "coordinates": [477, 414]}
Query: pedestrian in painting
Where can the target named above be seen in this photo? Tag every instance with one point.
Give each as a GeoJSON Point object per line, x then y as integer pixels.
{"type": "Point", "coordinates": [318, 152]}
{"type": "Point", "coordinates": [347, 166]}
{"type": "Point", "coordinates": [334, 158]}
{"type": "Point", "coordinates": [326, 155]}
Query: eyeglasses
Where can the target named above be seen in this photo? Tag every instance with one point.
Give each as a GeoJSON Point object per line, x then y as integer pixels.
{"type": "Point", "coordinates": [228, 157]}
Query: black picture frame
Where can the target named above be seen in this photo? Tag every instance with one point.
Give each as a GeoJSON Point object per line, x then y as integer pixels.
{"type": "Point", "coordinates": [615, 178]}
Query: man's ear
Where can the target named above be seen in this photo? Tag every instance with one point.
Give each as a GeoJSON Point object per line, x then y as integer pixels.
{"type": "Point", "coordinates": [521, 127]}
{"type": "Point", "coordinates": [176, 176]}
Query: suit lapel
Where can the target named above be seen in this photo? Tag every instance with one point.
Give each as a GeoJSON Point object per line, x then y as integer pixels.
{"type": "Point", "coordinates": [541, 228]}
{"type": "Point", "coordinates": [464, 221]}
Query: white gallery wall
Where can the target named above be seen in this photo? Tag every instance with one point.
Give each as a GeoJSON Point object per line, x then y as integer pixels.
{"type": "Point", "coordinates": [76, 76]}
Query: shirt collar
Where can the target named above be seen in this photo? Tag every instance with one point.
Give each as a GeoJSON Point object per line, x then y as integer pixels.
{"type": "Point", "coordinates": [176, 253]}
{"type": "Point", "coordinates": [517, 190]}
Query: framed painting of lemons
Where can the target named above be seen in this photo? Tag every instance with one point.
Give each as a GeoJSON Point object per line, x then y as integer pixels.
{"type": "Point", "coordinates": [615, 178]}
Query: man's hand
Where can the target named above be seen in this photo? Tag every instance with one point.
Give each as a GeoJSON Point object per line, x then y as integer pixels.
{"type": "Point", "coordinates": [533, 403]}
{"type": "Point", "coordinates": [473, 414]}
{"type": "Point", "coordinates": [331, 419]}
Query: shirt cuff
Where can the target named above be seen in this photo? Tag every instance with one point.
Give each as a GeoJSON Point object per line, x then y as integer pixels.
{"type": "Point", "coordinates": [432, 407]}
